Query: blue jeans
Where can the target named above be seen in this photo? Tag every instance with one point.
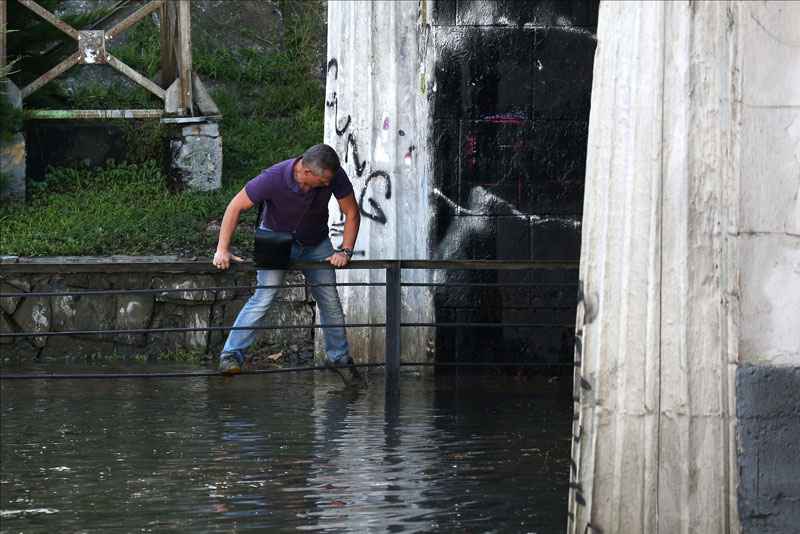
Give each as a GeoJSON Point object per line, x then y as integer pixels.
{"type": "Point", "coordinates": [327, 297]}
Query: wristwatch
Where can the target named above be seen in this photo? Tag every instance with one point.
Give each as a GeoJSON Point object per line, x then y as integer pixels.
{"type": "Point", "coordinates": [347, 252]}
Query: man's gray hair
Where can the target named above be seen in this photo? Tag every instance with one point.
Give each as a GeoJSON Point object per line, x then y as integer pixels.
{"type": "Point", "coordinates": [320, 158]}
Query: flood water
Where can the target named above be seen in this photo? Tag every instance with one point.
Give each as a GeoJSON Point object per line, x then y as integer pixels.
{"type": "Point", "coordinates": [282, 453]}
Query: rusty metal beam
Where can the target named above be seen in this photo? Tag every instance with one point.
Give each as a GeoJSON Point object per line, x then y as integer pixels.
{"type": "Point", "coordinates": [49, 17]}
{"type": "Point", "coordinates": [134, 18]}
{"type": "Point", "coordinates": [135, 76]}
{"type": "Point", "coordinates": [48, 76]}
{"type": "Point", "coordinates": [98, 113]}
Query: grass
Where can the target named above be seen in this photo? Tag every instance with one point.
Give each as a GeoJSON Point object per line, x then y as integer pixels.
{"type": "Point", "coordinates": [272, 106]}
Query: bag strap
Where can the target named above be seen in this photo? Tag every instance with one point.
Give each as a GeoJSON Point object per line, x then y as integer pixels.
{"type": "Point", "coordinates": [261, 210]}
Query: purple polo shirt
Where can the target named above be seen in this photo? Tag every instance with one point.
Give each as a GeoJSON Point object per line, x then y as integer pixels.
{"type": "Point", "coordinates": [285, 201]}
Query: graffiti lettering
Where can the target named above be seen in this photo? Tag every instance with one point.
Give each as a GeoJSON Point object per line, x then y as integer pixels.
{"type": "Point", "coordinates": [335, 105]}
{"type": "Point", "coordinates": [588, 316]}
{"type": "Point", "coordinates": [378, 216]}
{"type": "Point", "coordinates": [375, 211]}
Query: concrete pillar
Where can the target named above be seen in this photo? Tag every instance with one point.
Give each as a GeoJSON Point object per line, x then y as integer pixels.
{"type": "Point", "coordinates": [377, 120]}
{"type": "Point", "coordinates": [654, 447]}
{"type": "Point", "coordinates": [690, 272]}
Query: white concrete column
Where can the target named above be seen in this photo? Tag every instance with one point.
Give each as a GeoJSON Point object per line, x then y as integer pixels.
{"type": "Point", "coordinates": [653, 446]}
{"type": "Point", "coordinates": [377, 120]}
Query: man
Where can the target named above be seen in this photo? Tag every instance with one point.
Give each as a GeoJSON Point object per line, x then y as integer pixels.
{"type": "Point", "coordinates": [287, 188]}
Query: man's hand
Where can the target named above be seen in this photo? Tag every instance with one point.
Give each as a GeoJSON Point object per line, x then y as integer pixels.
{"type": "Point", "coordinates": [222, 259]}
{"type": "Point", "coordinates": [339, 259]}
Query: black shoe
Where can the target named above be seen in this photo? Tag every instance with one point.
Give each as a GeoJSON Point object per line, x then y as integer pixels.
{"type": "Point", "coordinates": [229, 364]}
{"type": "Point", "coordinates": [349, 375]}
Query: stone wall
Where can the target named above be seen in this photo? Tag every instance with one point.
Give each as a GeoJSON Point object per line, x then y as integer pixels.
{"type": "Point", "coordinates": [135, 311]}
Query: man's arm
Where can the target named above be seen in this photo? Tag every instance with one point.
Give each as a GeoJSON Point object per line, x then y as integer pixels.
{"type": "Point", "coordinates": [352, 221]}
{"type": "Point", "coordinates": [241, 202]}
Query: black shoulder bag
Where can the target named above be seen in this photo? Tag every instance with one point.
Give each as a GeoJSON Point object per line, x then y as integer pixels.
{"type": "Point", "coordinates": [272, 250]}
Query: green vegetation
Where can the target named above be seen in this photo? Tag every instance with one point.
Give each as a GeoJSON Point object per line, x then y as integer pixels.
{"type": "Point", "coordinates": [272, 105]}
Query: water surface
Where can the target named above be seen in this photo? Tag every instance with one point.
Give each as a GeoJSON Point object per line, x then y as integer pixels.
{"type": "Point", "coordinates": [282, 453]}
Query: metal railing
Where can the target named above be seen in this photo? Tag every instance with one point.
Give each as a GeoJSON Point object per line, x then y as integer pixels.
{"type": "Point", "coordinates": [393, 285]}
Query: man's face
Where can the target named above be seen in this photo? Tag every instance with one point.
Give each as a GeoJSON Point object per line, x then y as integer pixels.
{"type": "Point", "coordinates": [317, 180]}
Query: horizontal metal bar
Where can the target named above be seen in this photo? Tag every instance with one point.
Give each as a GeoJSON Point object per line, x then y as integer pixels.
{"type": "Point", "coordinates": [490, 284]}
{"type": "Point", "coordinates": [490, 364]}
{"type": "Point", "coordinates": [178, 290]}
{"type": "Point", "coordinates": [489, 325]}
{"type": "Point", "coordinates": [500, 265]}
{"type": "Point", "coordinates": [83, 265]}
{"type": "Point", "coordinates": [182, 329]}
{"type": "Point", "coordinates": [273, 327]}
{"type": "Point", "coordinates": [97, 113]}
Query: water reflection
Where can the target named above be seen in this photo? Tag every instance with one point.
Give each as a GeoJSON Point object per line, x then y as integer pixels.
{"type": "Point", "coordinates": [282, 453]}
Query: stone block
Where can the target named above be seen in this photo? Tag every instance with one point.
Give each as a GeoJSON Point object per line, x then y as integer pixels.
{"type": "Point", "coordinates": [6, 327]}
{"type": "Point", "coordinates": [133, 312]}
{"type": "Point", "coordinates": [9, 304]}
{"type": "Point", "coordinates": [196, 158]}
{"type": "Point", "coordinates": [34, 315]}
{"type": "Point", "coordinates": [93, 312]}
{"type": "Point", "coordinates": [189, 282]}
{"type": "Point", "coordinates": [64, 313]}
{"type": "Point", "coordinates": [197, 317]}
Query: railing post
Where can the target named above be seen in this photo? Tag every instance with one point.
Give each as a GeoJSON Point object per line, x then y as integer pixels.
{"type": "Point", "coordinates": [393, 308]}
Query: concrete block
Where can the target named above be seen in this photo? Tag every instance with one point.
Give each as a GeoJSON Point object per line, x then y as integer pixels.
{"type": "Point", "coordinates": [196, 158]}
{"type": "Point", "coordinates": [555, 238]}
{"type": "Point", "coordinates": [769, 284]}
{"type": "Point", "coordinates": [770, 38]}
{"type": "Point", "coordinates": [555, 167]}
{"type": "Point", "coordinates": [765, 392]}
{"type": "Point", "coordinates": [563, 75]}
{"type": "Point", "coordinates": [484, 72]}
{"type": "Point", "coordinates": [515, 13]}
{"type": "Point", "coordinates": [444, 12]}
{"type": "Point", "coordinates": [768, 434]}
{"type": "Point", "coordinates": [770, 151]}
